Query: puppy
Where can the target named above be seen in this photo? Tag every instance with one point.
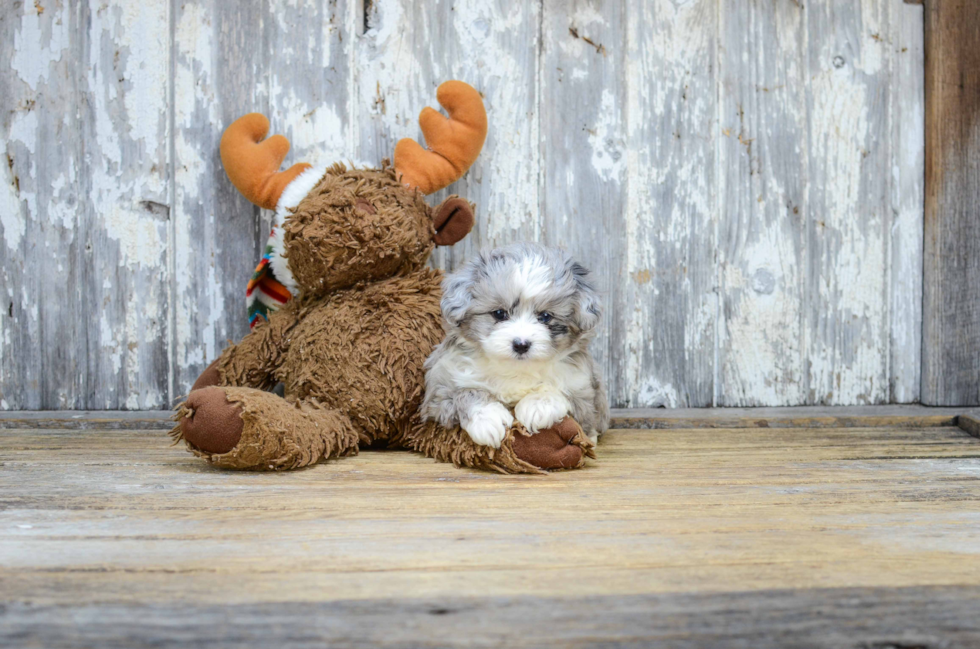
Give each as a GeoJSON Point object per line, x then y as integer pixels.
{"type": "Point", "coordinates": [519, 320]}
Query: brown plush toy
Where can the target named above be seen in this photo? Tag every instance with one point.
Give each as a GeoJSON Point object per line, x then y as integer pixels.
{"type": "Point", "coordinates": [351, 245]}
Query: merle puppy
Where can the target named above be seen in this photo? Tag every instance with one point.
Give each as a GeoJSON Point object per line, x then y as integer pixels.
{"type": "Point", "coordinates": [519, 321]}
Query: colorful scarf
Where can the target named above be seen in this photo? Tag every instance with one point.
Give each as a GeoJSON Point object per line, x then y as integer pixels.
{"type": "Point", "coordinates": [265, 293]}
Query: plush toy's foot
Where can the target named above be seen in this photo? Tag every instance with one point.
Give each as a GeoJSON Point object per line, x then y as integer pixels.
{"type": "Point", "coordinates": [244, 428]}
{"type": "Point", "coordinates": [563, 446]}
{"type": "Point", "coordinates": [210, 422]}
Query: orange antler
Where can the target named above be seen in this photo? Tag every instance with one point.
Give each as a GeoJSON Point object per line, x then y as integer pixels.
{"type": "Point", "coordinates": [252, 164]}
{"type": "Point", "coordinates": [453, 144]}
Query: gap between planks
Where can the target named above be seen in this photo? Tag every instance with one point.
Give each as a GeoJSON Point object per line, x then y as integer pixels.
{"type": "Point", "coordinates": [894, 416]}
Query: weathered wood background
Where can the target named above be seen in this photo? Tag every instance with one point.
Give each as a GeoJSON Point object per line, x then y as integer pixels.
{"type": "Point", "coordinates": [951, 277]}
{"type": "Point", "coordinates": [744, 176]}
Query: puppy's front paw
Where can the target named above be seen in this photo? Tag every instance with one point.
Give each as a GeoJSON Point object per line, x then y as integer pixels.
{"type": "Point", "coordinates": [488, 424]}
{"type": "Point", "coordinates": [538, 411]}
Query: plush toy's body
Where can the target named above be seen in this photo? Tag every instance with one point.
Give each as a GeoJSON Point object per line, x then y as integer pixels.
{"type": "Point", "coordinates": [349, 349]}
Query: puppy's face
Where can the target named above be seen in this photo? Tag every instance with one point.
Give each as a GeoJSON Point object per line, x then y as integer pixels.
{"type": "Point", "coordinates": [521, 303]}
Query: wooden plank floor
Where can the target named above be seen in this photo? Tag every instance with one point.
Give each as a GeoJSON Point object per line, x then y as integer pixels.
{"type": "Point", "coordinates": [722, 537]}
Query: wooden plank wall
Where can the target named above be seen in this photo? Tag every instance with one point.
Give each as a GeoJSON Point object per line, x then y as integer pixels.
{"type": "Point", "coordinates": [951, 327]}
{"type": "Point", "coordinates": [746, 179]}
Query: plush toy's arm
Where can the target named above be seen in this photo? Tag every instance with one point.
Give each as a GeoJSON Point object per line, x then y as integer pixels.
{"type": "Point", "coordinates": [252, 363]}
{"type": "Point", "coordinates": [563, 446]}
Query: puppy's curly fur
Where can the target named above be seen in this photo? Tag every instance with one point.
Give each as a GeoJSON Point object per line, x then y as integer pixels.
{"type": "Point", "coordinates": [519, 322]}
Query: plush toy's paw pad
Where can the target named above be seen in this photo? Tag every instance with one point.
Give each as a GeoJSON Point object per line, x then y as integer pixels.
{"type": "Point", "coordinates": [212, 424]}
{"type": "Point", "coordinates": [557, 447]}
{"type": "Point", "coordinates": [538, 412]}
{"type": "Point", "coordinates": [487, 425]}
{"type": "Point", "coordinates": [567, 429]}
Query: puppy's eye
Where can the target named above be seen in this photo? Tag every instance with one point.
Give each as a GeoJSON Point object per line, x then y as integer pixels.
{"type": "Point", "coordinates": [499, 315]}
{"type": "Point", "coordinates": [544, 317]}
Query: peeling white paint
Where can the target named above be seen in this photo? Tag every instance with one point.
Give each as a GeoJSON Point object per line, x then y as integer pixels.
{"type": "Point", "coordinates": [788, 336]}
{"type": "Point", "coordinates": [762, 170]}
{"type": "Point", "coordinates": [62, 208]}
{"type": "Point", "coordinates": [131, 35]}
{"type": "Point", "coordinates": [316, 132]}
{"type": "Point", "coordinates": [127, 78]}
{"type": "Point", "coordinates": [192, 347]}
{"type": "Point", "coordinates": [586, 15]}
{"type": "Point", "coordinates": [217, 312]}
{"type": "Point", "coordinates": [11, 218]}
{"type": "Point", "coordinates": [606, 140]}
{"type": "Point", "coordinates": [194, 70]}
{"type": "Point", "coordinates": [848, 359]}
{"type": "Point", "coordinates": [189, 176]}
{"type": "Point", "coordinates": [307, 88]}
{"type": "Point", "coordinates": [653, 394]}
{"type": "Point", "coordinates": [146, 73]}
{"type": "Point", "coordinates": [142, 241]}
{"type": "Point", "coordinates": [908, 165]}
{"type": "Point", "coordinates": [38, 43]}
{"type": "Point", "coordinates": [762, 339]}
{"type": "Point", "coordinates": [669, 201]}
{"type": "Point", "coordinates": [492, 57]}
{"type": "Point", "coordinates": [513, 204]}
{"type": "Point", "coordinates": [111, 346]}
{"type": "Point", "coordinates": [23, 132]}
{"type": "Point", "coordinates": [4, 346]}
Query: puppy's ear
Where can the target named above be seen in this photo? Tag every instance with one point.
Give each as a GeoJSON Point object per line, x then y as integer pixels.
{"type": "Point", "coordinates": [587, 309]}
{"type": "Point", "coordinates": [456, 295]}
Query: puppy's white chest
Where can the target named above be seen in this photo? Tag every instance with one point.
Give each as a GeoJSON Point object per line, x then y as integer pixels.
{"type": "Point", "coordinates": [511, 382]}
{"type": "Point", "coordinates": [512, 389]}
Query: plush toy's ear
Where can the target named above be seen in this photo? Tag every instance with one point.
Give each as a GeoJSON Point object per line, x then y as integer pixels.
{"type": "Point", "coordinates": [587, 309]}
{"type": "Point", "coordinates": [452, 144]}
{"type": "Point", "coordinates": [453, 220]}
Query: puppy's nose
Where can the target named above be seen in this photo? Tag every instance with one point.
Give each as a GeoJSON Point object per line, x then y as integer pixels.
{"type": "Point", "coordinates": [521, 346]}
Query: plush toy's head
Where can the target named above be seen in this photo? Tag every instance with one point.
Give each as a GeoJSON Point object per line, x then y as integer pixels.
{"type": "Point", "coordinates": [337, 226]}
{"type": "Point", "coordinates": [364, 225]}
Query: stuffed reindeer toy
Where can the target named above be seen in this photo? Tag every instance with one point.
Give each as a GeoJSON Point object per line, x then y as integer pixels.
{"type": "Point", "coordinates": [350, 246]}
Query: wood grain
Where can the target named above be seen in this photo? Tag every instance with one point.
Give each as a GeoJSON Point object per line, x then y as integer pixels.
{"type": "Point", "coordinates": [951, 279]}
{"type": "Point", "coordinates": [745, 180]}
{"type": "Point", "coordinates": [786, 530]}
{"type": "Point", "coordinates": [407, 50]}
{"type": "Point", "coordinates": [820, 294]}
{"type": "Point", "coordinates": [829, 618]}
{"type": "Point", "coordinates": [221, 71]}
{"type": "Point", "coordinates": [970, 423]}
{"type": "Point", "coordinates": [907, 107]}
{"type": "Point", "coordinates": [763, 205]}
{"type": "Point", "coordinates": [670, 306]}
{"type": "Point", "coordinates": [88, 420]}
{"type": "Point", "coordinates": [36, 85]}
{"type": "Point", "coordinates": [124, 212]}
{"type": "Point", "coordinates": [582, 195]}
{"type": "Point", "coordinates": [900, 416]}
{"type": "Point", "coordinates": [849, 204]}
{"type": "Point", "coordinates": [85, 206]}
